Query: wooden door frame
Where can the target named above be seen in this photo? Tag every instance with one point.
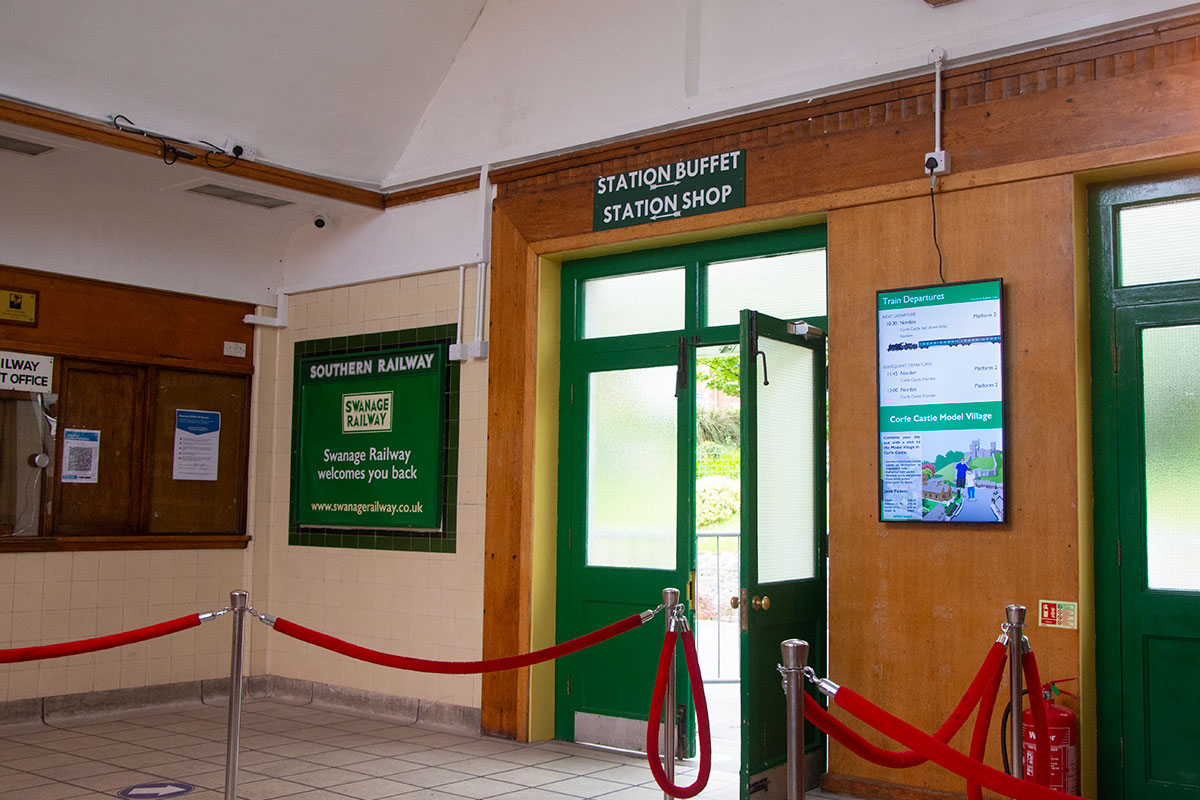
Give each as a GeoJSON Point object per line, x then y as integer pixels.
{"type": "Point", "coordinates": [835, 153]}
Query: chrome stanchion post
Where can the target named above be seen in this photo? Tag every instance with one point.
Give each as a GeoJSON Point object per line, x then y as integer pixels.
{"type": "Point", "coordinates": [1016, 637]}
{"type": "Point", "coordinates": [794, 657]}
{"type": "Point", "coordinates": [237, 604]}
{"type": "Point", "coordinates": [670, 736]}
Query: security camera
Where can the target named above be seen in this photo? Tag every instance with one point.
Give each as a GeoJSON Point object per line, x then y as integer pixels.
{"type": "Point", "coordinates": [319, 221]}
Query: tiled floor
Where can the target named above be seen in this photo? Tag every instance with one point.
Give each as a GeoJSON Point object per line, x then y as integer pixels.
{"type": "Point", "coordinates": [308, 753]}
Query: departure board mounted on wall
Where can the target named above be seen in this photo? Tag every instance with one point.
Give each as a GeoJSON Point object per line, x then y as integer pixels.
{"type": "Point", "coordinates": [941, 403]}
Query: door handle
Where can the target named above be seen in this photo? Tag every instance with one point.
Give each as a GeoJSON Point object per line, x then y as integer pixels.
{"type": "Point", "coordinates": [761, 603]}
{"type": "Point", "coordinates": [733, 602]}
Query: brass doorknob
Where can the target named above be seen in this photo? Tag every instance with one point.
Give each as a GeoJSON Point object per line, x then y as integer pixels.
{"type": "Point", "coordinates": [733, 602]}
{"type": "Point", "coordinates": [761, 603]}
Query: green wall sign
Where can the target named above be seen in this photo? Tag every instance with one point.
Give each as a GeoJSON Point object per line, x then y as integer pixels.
{"type": "Point", "coordinates": [371, 439]}
{"type": "Point", "coordinates": [681, 189]}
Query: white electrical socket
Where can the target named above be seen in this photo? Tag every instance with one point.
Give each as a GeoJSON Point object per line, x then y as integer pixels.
{"type": "Point", "coordinates": [456, 353]}
{"type": "Point", "coordinates": [943, 162]}
{"type": "Point", "coordinates": [248, 151]}
{"type": "Point", "coordinates": [235, 349]}
{"type": "Point", "coordinates": [478, 349]}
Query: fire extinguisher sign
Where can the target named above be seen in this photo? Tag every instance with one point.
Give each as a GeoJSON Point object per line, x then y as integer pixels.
{"type": "Point", "coordinates": [1058, 614]}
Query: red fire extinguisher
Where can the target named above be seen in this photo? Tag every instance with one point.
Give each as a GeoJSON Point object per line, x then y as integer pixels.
{"type": "Point", "coordinates": [1064, 743]}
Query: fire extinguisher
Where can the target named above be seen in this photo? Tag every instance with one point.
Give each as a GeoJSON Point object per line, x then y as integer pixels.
{"type": "Point", "coordinates": [1064, 742]}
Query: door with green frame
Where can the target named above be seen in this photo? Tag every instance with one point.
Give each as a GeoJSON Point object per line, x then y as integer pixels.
{"type": "Point", "coordinates": [664, 417]}
{"type": "Point", "coordinates": [1145, 246]}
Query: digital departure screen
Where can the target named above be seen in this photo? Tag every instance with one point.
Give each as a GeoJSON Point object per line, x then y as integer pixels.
{"type": "Point", "coordinates": [941, 403]}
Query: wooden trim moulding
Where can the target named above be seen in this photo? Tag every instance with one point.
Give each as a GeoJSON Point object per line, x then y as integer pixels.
{"type": "Point", "coordinates": [910, 97]}
{"type": "Point", "coordinates": [1167, 155]}
{"type": "Point", "coordinates": [913, 93]}
{"type": "Point", "coordinates": [116, 357]}
{"type": "Point", "coordinates": [98, 133]}
{"type": "Point", "coordinates": [430, 191]}
{"type": "Point", "coordinates": [509, 513]}
{"type": "Point", "coordinates": [878, 790]}
{"type": "Point", "coordinates": [149, 541]}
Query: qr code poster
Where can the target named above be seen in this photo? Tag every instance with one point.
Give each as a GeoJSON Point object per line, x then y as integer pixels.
{"type": "Point", "coordinates": [81, 456]}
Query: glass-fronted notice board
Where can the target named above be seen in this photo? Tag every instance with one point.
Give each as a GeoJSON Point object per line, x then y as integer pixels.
{"type": "Point", "coordinates": [941, 403]}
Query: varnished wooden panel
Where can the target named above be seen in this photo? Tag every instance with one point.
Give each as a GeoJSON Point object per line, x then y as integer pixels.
{"type": "Point", "coordinates": [511, 398]}
{"type": "Point", "coordinates": [1141, 48]}
{"type": "Point", "coordinates": [109, 321]}
{"type": "Point", "coordinates": [1016, 127]}
{"type": "Point", "coordinates": [915, 606]}
{"type": "Point", "coordinates": [199, 506]}
{"type": "Point", "coordinates": [108, 398]}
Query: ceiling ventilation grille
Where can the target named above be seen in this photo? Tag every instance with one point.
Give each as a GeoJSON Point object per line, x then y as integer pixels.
{"type": "Point", "coordinates": [23, 147]}
{"type": "Point", "coordinates": [239, 196]}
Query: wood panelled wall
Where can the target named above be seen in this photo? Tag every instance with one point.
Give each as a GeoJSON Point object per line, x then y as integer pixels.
{"type": "Point", "coordinates": [125, 359]}
{"type": "Point", "coordinates": [912, 610]}
{"type": "Point", "coordinates": [95, 319]}
{"type": "Point", "coordinates": [1081, 100]}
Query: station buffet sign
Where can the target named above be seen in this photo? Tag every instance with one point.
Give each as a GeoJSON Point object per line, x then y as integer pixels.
{"type": "Point", "coordinates": [684, 188]}
{"type": "Point", "coordinates": [371, 439]}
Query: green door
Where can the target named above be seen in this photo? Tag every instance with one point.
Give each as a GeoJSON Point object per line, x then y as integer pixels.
{"type": "Point", "coordinates": [620, 471]}
{"type": "Point", "coordinates": [1145, 251]}
{"type": "Point", "coordinates": [782, 592]}
{"type": "Point", "coordinates": [643, 475]}
{"type": "Point", "coordinates": [1158, 413]}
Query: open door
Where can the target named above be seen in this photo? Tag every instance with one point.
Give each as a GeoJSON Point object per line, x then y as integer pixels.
{"type": "Point", "coordinates": [782, 592]}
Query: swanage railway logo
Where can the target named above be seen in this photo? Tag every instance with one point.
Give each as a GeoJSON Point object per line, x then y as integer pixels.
{"type": "Point", "coordinates": [366, 412]}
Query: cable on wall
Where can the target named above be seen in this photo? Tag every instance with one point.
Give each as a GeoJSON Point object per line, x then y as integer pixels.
{"type": "Point", "coordinates": [933, 209]}
{"type": "Point", "coordinates": [171, 153]}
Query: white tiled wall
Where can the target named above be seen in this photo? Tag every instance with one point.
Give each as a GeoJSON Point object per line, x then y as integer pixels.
{"type": "Point", "coordinates": [55, 597]}
{"type": "Point", "coordinates": [427, 605]}
{"type": "Point", "coordinates": [420, 604]}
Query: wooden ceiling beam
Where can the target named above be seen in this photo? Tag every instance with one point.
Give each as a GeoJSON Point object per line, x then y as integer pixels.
{"type": "Point", "coordinates": [86, 130]}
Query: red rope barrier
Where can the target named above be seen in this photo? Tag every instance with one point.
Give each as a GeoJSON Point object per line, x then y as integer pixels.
{"type": "Point", "coordinates": [18, 654]}
{"type": "Point", "coordinates": [454, 667]}
{"type": "Point", "coordinates": [656, 705]}
{"type": "Point", "coordinates": [983, 722]}
{"type": "Point", "coordinates": [1041, 730]}
{"type": "Point", "coordinates": [943, 754]}
{"type": "Point", "coordinates": [992, 665]}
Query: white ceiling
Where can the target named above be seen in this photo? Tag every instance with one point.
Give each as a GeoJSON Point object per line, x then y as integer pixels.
{"type": "Point", "coordinates": [393, 93]}
{"type": "Point", "coordinates": [329, 87]}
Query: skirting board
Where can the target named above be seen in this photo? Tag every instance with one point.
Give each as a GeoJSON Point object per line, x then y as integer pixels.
{"type": "Point", "coordinates": [116, 702]}
{"type": "Point", "coordinates": [879, 790]}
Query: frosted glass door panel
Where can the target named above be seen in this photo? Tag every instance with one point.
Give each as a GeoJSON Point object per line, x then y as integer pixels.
{"type": "Point", "coordinates": [1159, 242]}
{"type": "Point", "coordinates": [788, 286]}
{"type": "Point", "coordinates": [1172, 418]}
{"type": "Point", "coordinates": [631, 497]}
{"type": "Point", "coordinates": [786, 546]}
{"type": "Point", "coordinates": [643, 302]}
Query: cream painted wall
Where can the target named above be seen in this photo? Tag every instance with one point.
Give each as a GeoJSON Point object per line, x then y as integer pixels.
{"type": "Point", "coordinates": [426, 605]}
{"type": "Point", "coordinates": [96, 212]}
{"type": "Point", "coordinates": [55, 597]}
{"type": "Point", "coordinates": [420, 604]}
